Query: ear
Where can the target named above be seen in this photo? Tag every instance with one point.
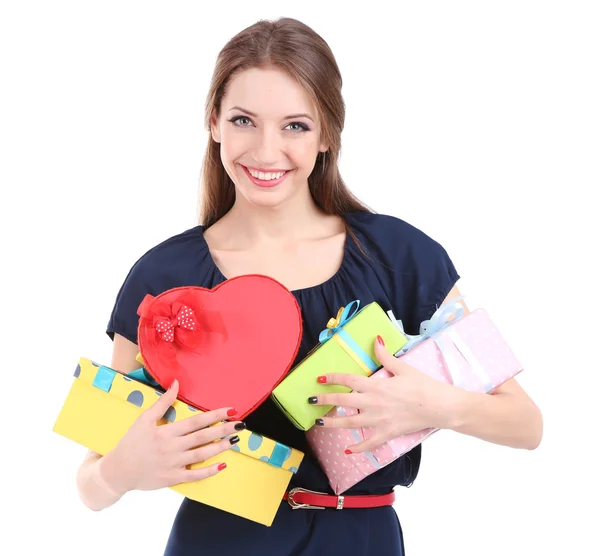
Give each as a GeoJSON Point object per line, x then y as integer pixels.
{"type": "Point", "coordinates": [214, 129]}
{"type": "Point", "coordinates": [323, 147]}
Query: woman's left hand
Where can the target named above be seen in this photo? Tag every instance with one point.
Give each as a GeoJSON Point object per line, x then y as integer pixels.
{"type": "Point", "coordinates": [406, 402]}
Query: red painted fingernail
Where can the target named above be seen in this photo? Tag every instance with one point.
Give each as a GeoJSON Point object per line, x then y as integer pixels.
{"type": "Point", "coordinates": [222, 466]}
{"type": "Point", "coordinates": [231, 412]}
{"type": "Point", "coordinates": [322, 379]}
{"type": "Point", "coordinates": [347, 451]}
{"type": "Point", "coordinates": [380, 340]}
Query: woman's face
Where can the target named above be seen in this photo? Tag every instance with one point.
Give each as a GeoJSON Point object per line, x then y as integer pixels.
{"type": "Point", "coordinates": [269, 134]}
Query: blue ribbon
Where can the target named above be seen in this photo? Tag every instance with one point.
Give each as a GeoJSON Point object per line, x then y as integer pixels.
{"type": "Point", "coordinates": [357, 350]}
{"type": "Point", "coordinates": [343, 316]}
{"type": "Point", "coordinates": [104, 378]}
{"type": "Point", "coordinates": [280, 454]}
{"type": "Point", "coordinates": [431, 328]}
{"type": "Point", "coordinates": [438, 322]}
{"type": "Point", "coordinates": [142, 375]}
{"type": "Point", "coordinates": [336, 326]}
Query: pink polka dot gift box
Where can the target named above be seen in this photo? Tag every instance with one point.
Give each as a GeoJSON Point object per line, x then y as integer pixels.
{"type": "Point", "coordinates": [467, 351]}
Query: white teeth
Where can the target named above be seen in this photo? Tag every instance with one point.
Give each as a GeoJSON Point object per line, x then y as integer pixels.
{"type": "Point", "coordinates": [265, 175]}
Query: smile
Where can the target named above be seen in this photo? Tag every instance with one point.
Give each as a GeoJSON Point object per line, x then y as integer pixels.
{"type": "Point", "coordinates": [265, 179]}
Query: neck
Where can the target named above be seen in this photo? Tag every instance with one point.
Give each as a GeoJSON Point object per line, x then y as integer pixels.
{"type": "Point", "coordinates": [297, 219]}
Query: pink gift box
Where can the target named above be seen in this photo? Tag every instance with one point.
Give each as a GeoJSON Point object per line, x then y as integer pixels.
{"type": "Point", "coordinates": [468, 352]}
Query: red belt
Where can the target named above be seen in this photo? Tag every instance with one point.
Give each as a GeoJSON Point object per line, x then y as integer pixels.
{"type": "Point", "coordinates": [301, 498]}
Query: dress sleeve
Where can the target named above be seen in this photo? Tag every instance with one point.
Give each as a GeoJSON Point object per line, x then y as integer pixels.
{"type": "Point", "coordinates": [425, 274]}
{"type": "Point", "coordinates": [437, 277]}
{"type": "Point", "coordinates": [139, 282]}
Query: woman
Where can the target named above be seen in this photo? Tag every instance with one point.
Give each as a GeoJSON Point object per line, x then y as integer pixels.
{"type": "Point", "coordinates": [274, 203]}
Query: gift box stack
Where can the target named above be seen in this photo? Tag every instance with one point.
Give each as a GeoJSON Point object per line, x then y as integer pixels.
{"type": "Point", "coordinates": [224, 349]}
{"type": "Point", "coordinates": [466, 351]}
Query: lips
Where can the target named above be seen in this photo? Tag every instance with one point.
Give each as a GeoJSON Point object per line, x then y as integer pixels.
{"type": "Point", "coordinates": [265, 183]}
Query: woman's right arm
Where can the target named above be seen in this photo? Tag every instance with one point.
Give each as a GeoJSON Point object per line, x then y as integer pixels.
{"type": "Point", "coordinates": [150, 456]}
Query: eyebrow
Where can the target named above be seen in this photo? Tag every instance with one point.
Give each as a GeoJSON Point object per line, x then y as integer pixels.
{"type": "Point", "coordinates": [292, 116]}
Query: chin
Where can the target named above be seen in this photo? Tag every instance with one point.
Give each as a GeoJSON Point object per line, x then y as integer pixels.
{"type": "Point", "coordinates": [267, 199]}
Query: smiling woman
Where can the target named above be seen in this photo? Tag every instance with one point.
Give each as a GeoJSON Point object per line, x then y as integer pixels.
{"type": "Point", "coordinates": [261, 148]}
{"type": "Point", "coordinates": [274, 203]}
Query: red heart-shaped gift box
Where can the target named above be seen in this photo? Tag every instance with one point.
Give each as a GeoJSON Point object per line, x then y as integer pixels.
{"type": "Point", "coordinates": [228, 346]}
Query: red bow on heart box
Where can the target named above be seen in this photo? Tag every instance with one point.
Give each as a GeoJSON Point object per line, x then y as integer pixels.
{"type": "Point", "coordinates": [184, 318]}
{"type": "Point", "coordinates": [227, 347]}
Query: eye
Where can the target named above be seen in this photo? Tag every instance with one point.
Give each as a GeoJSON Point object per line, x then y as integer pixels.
{"type": "Point", "coordinates": [302, 127]}
{"type": "Point", "coordinates": [237, 119]}
{"type": "Point", "coordinates": [244, 121]}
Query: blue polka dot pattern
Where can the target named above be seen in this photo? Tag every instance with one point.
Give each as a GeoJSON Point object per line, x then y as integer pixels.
{"type": "Point", "coordinates": [136, 398]}
{"type": "Point", "coordinates": [192, 408]}
{"type": "Point", "coordinates": [77, 371]}
{"type": "Point", "coordinates": [264, 458]}
{"type": "Point", "coordinates": [255, 441]}
{"type": "Point", "coordinates": [293, 469]}
{"type": "Point", "coordinates": [289, 453]}
{"type": "Point", "coordinates": [235, 447]}
{"type": "Point", "coordinates": [170, 414]}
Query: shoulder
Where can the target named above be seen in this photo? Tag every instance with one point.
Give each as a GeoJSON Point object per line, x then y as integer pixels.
{"type": "Point", "coordinates": [394, 238]}
{"type": "Point", "coordinates": [414, 269]}
{"type": "Point", "coordinates": [174, 262]}
{"type": "Point", "coordinates": [167, 261]}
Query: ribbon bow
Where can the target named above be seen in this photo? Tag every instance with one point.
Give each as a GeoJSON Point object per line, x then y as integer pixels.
{"type": "Point", "coordinates": [342, 317]}
{"type": "Point", "coordinates": [440, 320]}
{"type": "Point", "coordinates": [184, 318]}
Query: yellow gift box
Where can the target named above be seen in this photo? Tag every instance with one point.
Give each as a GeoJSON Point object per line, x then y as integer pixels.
{"type": "Point", "coordinates": [103, 403]}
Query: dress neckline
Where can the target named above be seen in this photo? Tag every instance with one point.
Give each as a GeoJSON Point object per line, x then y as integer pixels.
{"type": "Point", "coordinates": [334, 278]}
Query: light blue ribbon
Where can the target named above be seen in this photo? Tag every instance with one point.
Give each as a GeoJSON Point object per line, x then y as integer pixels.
{"type": "Point", "coordinates": [357, 438]}
{"type": "Point", "coordinates": [441, 320]}
{"type": "Point", "coordinates": [142, 375]}
{"type": "Point", "coordinates": [335, 326]}
{"type": "Point", "coordinates": [438, 322]}
{"type": "Point", "coordinates": [347, 313]}
{"type": "Point", "coordinates": [280, 454]}
{"type": "Point", "coordinates": [104, 378]}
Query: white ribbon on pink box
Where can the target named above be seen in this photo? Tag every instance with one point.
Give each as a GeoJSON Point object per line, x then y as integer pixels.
{"type": "Point", "coordinates": [467, 351]}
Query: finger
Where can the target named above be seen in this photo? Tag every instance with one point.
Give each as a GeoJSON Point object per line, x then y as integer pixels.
{"type": "Point", "coordinates": [387, 359]}
{"type": "Point", "coordinates": [354, 382]}
{"type": "Point", "coordinates": [201, 420]}
{"type": "Point", "coordinates": [352, 399]}
{"type": "Point", "coordinates": [191, 475]}
{"type": "Point", "coordinates": [368, 445]}
{"type": "Point", "coordinates": [198, 455]}
{"type": "Point", "coordinates": [357, 421]}
{"type": "Point", "coordinates": [158, 409]}
{"type": "Point", "coordinates": [209, 434]}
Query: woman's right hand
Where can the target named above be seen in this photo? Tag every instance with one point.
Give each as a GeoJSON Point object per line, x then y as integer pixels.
{"type": "Point", "coordinates": [152, 456]}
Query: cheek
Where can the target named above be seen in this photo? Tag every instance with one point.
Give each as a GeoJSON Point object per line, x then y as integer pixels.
{"type": "Point", "coordinates": [304, 153]}
{"type": "Point", "coordinates": [233, 145]}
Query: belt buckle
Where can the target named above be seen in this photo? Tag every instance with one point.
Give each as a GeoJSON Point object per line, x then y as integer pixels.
{"type": "Point", "coordinates": [296, 505]}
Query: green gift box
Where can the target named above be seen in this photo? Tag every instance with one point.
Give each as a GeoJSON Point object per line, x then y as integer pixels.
{"type": "Point", "coordinates": [345, 346]}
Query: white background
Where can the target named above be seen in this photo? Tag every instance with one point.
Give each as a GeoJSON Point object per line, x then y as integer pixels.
{"type": "Point", "coordinates": [476, 121]}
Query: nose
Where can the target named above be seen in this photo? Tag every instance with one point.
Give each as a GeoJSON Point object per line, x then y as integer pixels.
{"type": "Point", "coordinates": [267, 149]}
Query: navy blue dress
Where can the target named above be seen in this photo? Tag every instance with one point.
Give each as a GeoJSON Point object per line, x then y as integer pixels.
{"type": "Point", "coordinates": [403, 270]}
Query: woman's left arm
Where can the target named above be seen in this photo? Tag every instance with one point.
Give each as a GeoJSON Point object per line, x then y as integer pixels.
{"type": "Point", "coordinates": [410, 401]}
{"type": "Point", "coordinates": [508, 416]}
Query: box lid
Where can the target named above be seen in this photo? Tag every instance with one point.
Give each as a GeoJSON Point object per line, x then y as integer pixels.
{"type": "Point", "coordinates": [136, 392]}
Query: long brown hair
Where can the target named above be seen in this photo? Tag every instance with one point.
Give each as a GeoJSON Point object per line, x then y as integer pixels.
{"type": "Point", "coordinates": [294, 47]}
